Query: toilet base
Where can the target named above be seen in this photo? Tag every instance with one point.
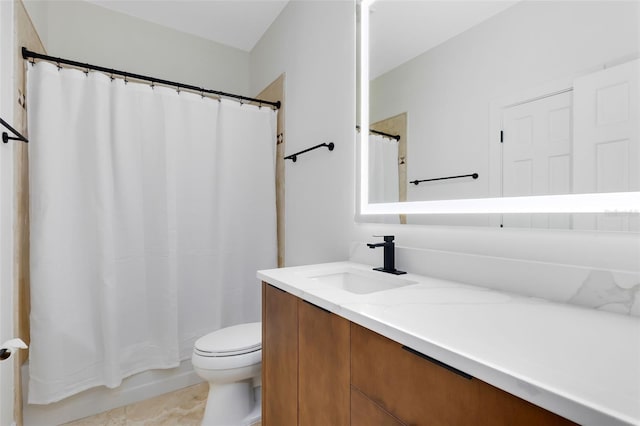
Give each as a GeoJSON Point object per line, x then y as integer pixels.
{"type": "Point", "coordinates": [256, 414]}
{"type": "Point", "coordinates": [232, 404]}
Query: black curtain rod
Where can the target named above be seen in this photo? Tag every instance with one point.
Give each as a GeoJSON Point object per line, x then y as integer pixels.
{"type": "Point", "coordinates": [5, 136]}
{"type": "Point", "coordinates": [473, 175]}
{"type": "Point", "coordinates": [27, 54]}
{"type": "Point", "coordinates": [396, 137]}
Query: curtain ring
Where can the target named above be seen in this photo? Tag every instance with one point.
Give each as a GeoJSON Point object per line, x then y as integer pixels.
{"type": "Point", "coordinates": [153, 85]}
{"type": "Point", "coordinates": [33, 62]}
{"type": "Point", "coordinates": [58, 65]}
{"type": "Point", "coordinates": [259, 105]}
{"type": "Point", "coordinates": [125, 80]}
{"type": "Point", "coordinates": [178, 89]}
{"type": "Point", "coordinates": [202, 93]}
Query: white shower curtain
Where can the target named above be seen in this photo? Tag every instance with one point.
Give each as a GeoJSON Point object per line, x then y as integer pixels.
{"type": "Point", "coordinates": [151, 210]}
{"type": "Point", "coordinates": [383, 170]}
{"type": "Point", "coordinates": [384, 179]}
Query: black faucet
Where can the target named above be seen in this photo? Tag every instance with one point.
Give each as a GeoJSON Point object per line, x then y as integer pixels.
{"type": "Point", "coordinates": [389, 255]}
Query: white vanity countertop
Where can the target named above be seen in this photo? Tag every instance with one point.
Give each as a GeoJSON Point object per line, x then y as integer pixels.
{"type": "Point", "coordinates": [580, 363]}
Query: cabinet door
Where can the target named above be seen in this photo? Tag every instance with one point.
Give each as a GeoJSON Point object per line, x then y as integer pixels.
{"type": "Point", "coordinates": [279, 357]}
{"type": "Point", "coordinates": [323, 369]}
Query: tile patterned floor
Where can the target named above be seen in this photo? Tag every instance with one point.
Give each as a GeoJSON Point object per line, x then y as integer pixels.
{"type": "Point", "coordinates": [184, 407]}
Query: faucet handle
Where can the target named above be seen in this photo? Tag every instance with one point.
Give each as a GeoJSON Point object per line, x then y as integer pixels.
{"type": "Point", "coordinates": [387, 238]}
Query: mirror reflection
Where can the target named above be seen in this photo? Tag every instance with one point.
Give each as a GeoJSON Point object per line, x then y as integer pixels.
{"type": "Point", "coordinates": [503, 98]}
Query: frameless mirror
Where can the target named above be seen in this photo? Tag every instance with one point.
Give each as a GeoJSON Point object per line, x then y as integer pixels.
{"type": "Point", "coordinates": [501, 107]}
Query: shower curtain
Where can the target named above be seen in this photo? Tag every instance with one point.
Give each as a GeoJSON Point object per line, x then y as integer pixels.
{"type": "Point", "coordinates": [383, 175]}
{"type": "Point", "coordinates": [383, 170]}
{"type": "Point", "coordinates": [151, 210]}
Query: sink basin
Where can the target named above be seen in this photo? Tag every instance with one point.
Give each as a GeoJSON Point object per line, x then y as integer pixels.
{"type": "Point", "coordinates": [360, 282]}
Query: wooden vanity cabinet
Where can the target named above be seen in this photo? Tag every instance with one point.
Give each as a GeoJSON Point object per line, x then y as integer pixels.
{"type": "Point", "coordinates": [321, 369]}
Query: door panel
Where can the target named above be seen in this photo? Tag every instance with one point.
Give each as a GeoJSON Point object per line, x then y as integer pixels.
{"type": "Point", "coordinates": [537, 155]}
{"type": "Point", "coordinates": [606, 146]}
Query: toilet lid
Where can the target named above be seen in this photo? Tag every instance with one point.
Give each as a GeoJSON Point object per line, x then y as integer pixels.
{"type": "Point", "coordinates": [235, 340]}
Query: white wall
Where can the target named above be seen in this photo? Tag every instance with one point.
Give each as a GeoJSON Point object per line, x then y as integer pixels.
{"type": "Point", "coordinates": [85, 32]}
{"type": "Point", "coordinates": [313, 42]}
{"type": "Point", "coordinates": [599, 250]}
{"type": "Point", "coordinates": [447, 90]}
{"type": "Point", "coordinates": [6, 210]}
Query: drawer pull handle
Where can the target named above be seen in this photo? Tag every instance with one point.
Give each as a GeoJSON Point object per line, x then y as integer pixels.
{"type": "Point", "coordinates": [316, 306]}
{"type": "Point", "coordinates": [439, 363]}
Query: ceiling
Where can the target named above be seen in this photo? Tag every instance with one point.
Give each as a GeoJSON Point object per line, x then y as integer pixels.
{"type": "Point", "coordinates": [235, 23]}
{"type": "Point", "coordinates": [400, 30]}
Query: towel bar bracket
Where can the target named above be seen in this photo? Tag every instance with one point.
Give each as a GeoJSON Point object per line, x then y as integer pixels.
{"type": "Point", "coordinates": [5, 136]}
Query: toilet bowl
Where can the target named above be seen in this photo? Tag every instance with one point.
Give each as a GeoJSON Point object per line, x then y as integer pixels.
{"type": "Point", "coordinates": [230, 361]}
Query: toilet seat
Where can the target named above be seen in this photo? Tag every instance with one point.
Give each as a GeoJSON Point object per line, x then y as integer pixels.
{"type": "Point", "coordinates": [230, 341]}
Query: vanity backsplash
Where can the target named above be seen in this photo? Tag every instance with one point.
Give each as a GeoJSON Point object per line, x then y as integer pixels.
{"type": "Point", "coordinates": [611, 291]}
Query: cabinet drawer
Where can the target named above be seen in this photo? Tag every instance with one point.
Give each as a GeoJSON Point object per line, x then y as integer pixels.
{"type": "Point", "coordinates": [365, 412]}
{"type": "Point", "coordinates": [419, 391]}
{"type": "Point", "coordinates": [407, 386]}
{"type": "Point", "coordinates": [500, 408]}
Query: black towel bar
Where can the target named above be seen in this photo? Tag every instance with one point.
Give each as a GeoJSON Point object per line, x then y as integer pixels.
{"type": "Point", "coordinates": [5, 136]}
{"type": "Point", "coordinates": [294, 157]}
{"type": "Point", "coordinates": [473, 175]}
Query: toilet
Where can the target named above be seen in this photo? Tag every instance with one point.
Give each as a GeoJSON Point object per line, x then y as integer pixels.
{"type": "Point", "coordinates": [230, 360]}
